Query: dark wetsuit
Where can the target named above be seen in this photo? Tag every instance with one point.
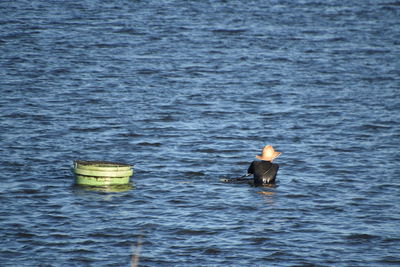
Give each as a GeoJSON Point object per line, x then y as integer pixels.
{"type": "Point", "coordinates": [264, 172]}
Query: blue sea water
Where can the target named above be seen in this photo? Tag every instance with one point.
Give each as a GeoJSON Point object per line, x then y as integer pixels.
{"type": "Point", "coordinates": [189, 92]}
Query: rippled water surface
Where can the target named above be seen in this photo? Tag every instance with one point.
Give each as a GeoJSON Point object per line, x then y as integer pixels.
{"type": "Point", "coordinates": [189, 92]}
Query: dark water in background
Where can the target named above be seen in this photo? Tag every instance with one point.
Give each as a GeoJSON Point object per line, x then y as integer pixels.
{"type": "Point", "coordinates": [189, 92]}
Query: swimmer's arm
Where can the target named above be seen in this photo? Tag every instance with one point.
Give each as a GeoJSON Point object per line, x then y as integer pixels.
{"type": "Point", "coordinates": [250, 170]}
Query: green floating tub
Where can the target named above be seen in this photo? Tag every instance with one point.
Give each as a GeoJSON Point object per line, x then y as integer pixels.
{"type": "Point", "coordinates": [101, 173]}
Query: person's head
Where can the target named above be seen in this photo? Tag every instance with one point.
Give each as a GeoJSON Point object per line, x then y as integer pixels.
{"type": "Point", "coordinates": [268, 154]}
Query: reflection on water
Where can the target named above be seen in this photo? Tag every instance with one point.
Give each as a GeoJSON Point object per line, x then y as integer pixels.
{"type": "Point", "coordinates": [106, 193]}
{"type": "Point", "coordinates": [266, 193]}
{"type": "Point", "coordinates": [79, 189]}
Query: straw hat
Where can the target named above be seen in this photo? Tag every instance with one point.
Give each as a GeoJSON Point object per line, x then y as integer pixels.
{"type": "Point", "coordinates": [268, 153]}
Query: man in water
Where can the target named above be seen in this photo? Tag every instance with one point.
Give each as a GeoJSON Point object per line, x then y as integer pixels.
{"type": "Point", "coordinates": [264, 171]}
